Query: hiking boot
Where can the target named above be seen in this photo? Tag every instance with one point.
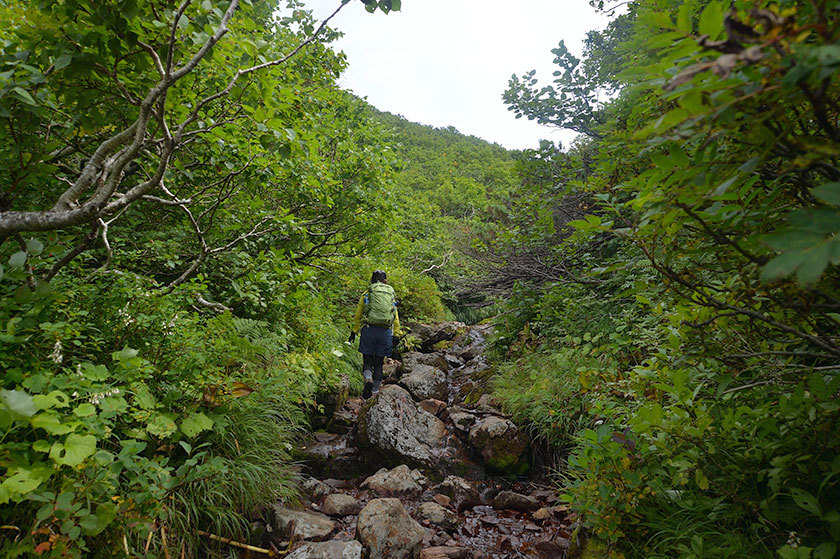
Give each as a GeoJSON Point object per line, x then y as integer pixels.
{"type": "Point", "coordinates": [367, 392]}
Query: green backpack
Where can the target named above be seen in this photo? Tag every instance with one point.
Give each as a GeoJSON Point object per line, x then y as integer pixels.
{"type": "Point", "coordinates": [379, 307]}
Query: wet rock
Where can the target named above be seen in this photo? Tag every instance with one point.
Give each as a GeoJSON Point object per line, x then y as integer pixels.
{"type": "Point", "coordinates": [426, 382]}
{"type": "Point", "coordinates": [476, 369]}
{"type": "Point", "coordinates": [345, 417]}
{"type": "Point", "coordinates": [500, 444]}
{"type": "Point", "coordinates": [339, 504]}
{"type": "Point", "coordinates": [463, 495]}
{"type": "Point", "coordinates": [462, 421]}
{"type": "Point", "coordinates": [515, 501]}
{"type": "Point", "coordinates": [453, 361]}
{"type": "Point", "coordinates": [393, 429]}
{"type": "Point", "coordinates": [388, 532]}
{"type": "Point", "coordinates": [436, 515]}
{"type": "Point", "coordinates": [413, 359]}
{"type": "Point", "coordinates": [330, 459]}
{"type": "Point", "coordinates": [435, 407]}
{"type": "Point", "coordinates": [432, 334]}
{"type": "Point", "coordinates": [315, 489]}
{"type": "Point", "coordinates": [328, 550]}
{"type": "Point", "coordinates": [306, 525]}
{"type": "Point", "coordinates": [446, 552]}
{"type": "Point", "coordinates": [399, 480]}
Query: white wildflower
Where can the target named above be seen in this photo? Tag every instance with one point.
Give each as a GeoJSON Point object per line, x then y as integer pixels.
{"type": "Point", "coordinates": [56, 356]}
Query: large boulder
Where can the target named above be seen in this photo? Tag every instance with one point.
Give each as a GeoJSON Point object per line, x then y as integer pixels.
{"type": "Point", "coordinates": [434, 334]}
{"type": "Point", "coordinates": [328, 550]}
{"type": "Point", "coordinates": [424, 382]}
{"type": "Point", "coordinates": [305, 525]}
{"type": "Point", "coordinates": [388, 532]}
{"type": "Point", "coordinates": [399, 480]}
{"type": "Point", "coordinates": [461, 494]}
{"type": "Point", "coordinates": [395, 430]}
{"type": "Point", "coordinates": [500, 444]}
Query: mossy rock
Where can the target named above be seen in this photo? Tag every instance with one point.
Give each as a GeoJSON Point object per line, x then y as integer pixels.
{"type": "Point", "coordinates": [443, 345]}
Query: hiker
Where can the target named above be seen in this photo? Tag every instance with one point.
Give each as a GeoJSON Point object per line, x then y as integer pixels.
{"type": "Point", "coordinates": [378, 322]}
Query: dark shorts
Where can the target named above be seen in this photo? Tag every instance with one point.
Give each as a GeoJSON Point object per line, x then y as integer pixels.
{"type": "Point", "coordinates": [377, 341]}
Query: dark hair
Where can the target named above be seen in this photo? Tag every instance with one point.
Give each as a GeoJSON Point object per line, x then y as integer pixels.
{"type": "Point", "coordinates": [378, 276]}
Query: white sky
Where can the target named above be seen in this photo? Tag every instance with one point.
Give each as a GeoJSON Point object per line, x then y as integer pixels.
{"type": "Point", "coordinates": [447, 62]}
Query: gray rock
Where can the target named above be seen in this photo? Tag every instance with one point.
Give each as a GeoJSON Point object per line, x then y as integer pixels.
{"type": "Point", "coordinates": [515, 501]}
{"type": "Point", "coordinates": [488, 404]}
{"type": "Point", "coordinates": [306, 525]}
{"type": "Point", "coordinates": [426, 382]}
{"type": "Point", "coordinates": [415, 358]}
{"type": "Point", "coordinates": [437, 515]}
{"type": "Point", "coordinates": [461, 494]}
{"type": "Point", "coordinates": [399, 480]}
{"type": "Point", "coordinates": [339, 504]}
{"type": "Point", "coordinates": [431, 334]}
{"type": "Point", "coordinates": [453, 361]}
{"type": "Point", "coordinates": [462, 420]}
{"type": "Point", "coordinates": [328, 550]}
{"type": "Point", "coordinates": [315, 489]}
{"type": "Point", "coordinates": [388, 532]}
{"type": "Point", "coordinates": [500, 444]}
{"type": "Point", "coordinates": [395, 429]}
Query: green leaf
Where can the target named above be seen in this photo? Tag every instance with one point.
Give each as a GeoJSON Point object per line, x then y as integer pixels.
{"type": "Point", "coordinates": [195, 424]}
{"type": "Point", "coordinates": [24, 479]}
{"type": "Point", "coordinates": [18, 259]}
{"type": "Point", "coordinates": [84, 410]}
{"type": "Point", "coordinates": [813, 265]}
{"type": "Point", "coordinates": [62, 61]}
{"type": "Point", "coordinates": [34, 247]}
{"type": "Point", "coordinates": [93, 524]}
{"type": "Point", "coordinates": [161, 425]}
{"type": "Point", "coordinates": [684, 18]}
{"type": "Point", "coordinates": [711, 20]}
{"type": "Point", "coordinates": [701, 479]}
{"type": "Point", "coordinates": [806, 501]}
{"type": "Point", "coordinates": [19, 403]}
{"type": "Point", "coordinates": [51, 423]}
{"type": "Point", "coordinates": [55, 399]}
{"type": "Point", "coordinates": [74, 450]}
{"type": "Point", "coordinates": [781, 266]}
{"type": "Point", "coordinates": [828, 193]}
{"type": "Point", "coordinates": [825, 550]}
{"type": "Point", "coordinates": [23, 95]}
{"type": "Point", "coordinates": [41, 445]}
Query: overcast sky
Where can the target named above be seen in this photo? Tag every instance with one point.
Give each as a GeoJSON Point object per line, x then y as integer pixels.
{"type": "Point", "coordinates": [447, 62]}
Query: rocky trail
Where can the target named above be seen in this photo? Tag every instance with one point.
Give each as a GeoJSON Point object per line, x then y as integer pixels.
{"type": "Point", "coordinates": [428, 468]}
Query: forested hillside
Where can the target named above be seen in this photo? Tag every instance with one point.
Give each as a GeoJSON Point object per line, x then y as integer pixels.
{"type": "Point", "coordinates": [190, 207]}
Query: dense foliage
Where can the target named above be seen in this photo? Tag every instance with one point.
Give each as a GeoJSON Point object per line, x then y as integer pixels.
{"type": "Point", "coordinates": [686, 350]}
{"type": "Point", "coordinates": [188, 206]}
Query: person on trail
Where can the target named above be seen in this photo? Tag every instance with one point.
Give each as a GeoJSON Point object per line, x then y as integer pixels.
{"type": "Point", "coordinates": [377, 322]}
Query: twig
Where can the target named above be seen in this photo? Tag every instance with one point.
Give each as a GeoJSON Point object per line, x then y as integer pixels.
{"type": "Point", "coordinates": [240, 545]}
